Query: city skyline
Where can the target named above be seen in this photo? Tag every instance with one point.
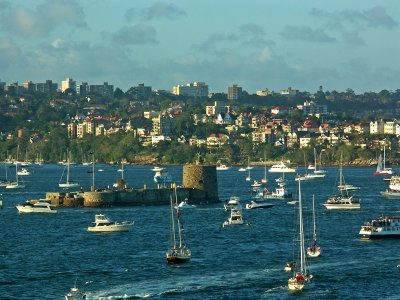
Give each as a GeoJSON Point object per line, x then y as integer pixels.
{"type": "Point", "coordinates": [257, 44]}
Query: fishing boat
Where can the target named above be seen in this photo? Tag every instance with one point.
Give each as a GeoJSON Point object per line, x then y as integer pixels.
{"type": "Point", "coordinates": [384, 227]}
{"type": "Point", "coordinates": [104, 224]}
{"type": "Point", "coordinates": [341, 199]}
{"type": "Point", "coordinates": [301, 278]}
{"type": "Point", "coordinates": [255, 205]}
{"type": "Point", "coordinates": [42, 206]}
{"type": "Point", "coordinates": [177, 250]}
{"type": "Point", "coordinates": [68, 183]}
{"type": "Point", "coordinates": [314, 250]}
{"type": "Point", "coordinates": [281, 192]}
{"type": "Point", "coordinates": [75, 294]}
{"type": "Point", "coordinates": [381, 169]}
{"type": "Point", "coordinates": [236, 212]}
{"type": "Point", "coordinates": [282, 168]}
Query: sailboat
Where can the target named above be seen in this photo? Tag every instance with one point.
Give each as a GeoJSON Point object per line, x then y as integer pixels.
{"type": "Point", "coordinates": [314, 251]}
{"type": "Point", "coordinates": [67, 184]}
{"type": "Point", "coordinates": [264, 180]}
{"type": "Point", "coordinates": [248, 178]}
{"type": "Point", "coordinates": [177, 252]}
{"type": "Point", "coordinates": [341, 199]}
{"type": "Point", "coordinates": [248, 164]}
{"type": "Point", "coordinates": [5, 181]}
{"type": "Point", "coordinates": [16, 184]}
{"type": "Point", "coordinates": [300, 279]}
{"type": "Point", "coordinates": [383, 170]}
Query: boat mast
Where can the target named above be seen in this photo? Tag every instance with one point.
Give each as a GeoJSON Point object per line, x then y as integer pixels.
{"type": "Point", "coordinates": [315, 161]}
{"type": "Point", "coordinates": [122, 163]}
{"type": "Point", "coordinates": [301, 234]}
{"type": "Point", "coordinates": [265, 167]}
{"type": "Point", "coordinates": [340, 170]}
{"type": "Point", "coordinates": [172, 235]}
{"type": "Point", "coordinates": [313, 211]}
{"type": "Point", "coordinates": [177, 217]}
{"type": "Point", "coordinates": [384, 157]}
{"type": "Point", "coordinates": [93, 170]}
{"type": "Point", "coordinates": [68, 159]}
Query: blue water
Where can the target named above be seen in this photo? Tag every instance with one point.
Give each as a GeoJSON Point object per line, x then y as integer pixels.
{"type": "Point", "coordinates": [42, 255]}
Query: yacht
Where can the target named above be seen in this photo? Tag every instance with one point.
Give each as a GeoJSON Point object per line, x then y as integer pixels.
{"type": "Point", "coordinates": [162, 176]}
{"type": "Point", "coordinates": [394, 184]}
{"type": "Point", "coordinates": [103, 224]}
{"type": "Point", "coordinates": [382, 170]}
{"type": "Point", "coordinates": [384, 227]}
{"type": "Point", "coordinates": [236, 212]}
{"type": "Point", "coordinates": [75, 294]}
{"type": "Point", "coordinates": [156, 169]}
{"type": "Point", "coordinates": [222, 168]}
{"type": "Point", "coordinates": [391, 194]}
{"type": "Point", "coordinates": [282, 168]}
{"type": "Point", "coordinates": [242, 169]}
{"type": "Point", "coordinates": [42, 206]}
{"type": "Point", "coordinates": [185, 204]}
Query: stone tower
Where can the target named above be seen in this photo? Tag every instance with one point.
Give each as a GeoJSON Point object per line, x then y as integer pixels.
{"type": "Point", "coordinates": [203, 182]}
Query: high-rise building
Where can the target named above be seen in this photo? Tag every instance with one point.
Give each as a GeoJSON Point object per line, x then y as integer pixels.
{"type": "Point", "coordinates": [163, 125]}
{"type": "Point", "coordinates": [82, 89]}
{"type": "Point", "coordinates": [234, 92]}
{"type": "Point", "coordinates": [47, 87]}
{"type": "Point", "coordinates": [2, 85]}
{"type": "Point", "coordinates": [68, 84]}
{"type": "Point", "coordinates": [106, 90]}
{"type": "Point", "coordinates": [195, 89]}
{"type": "Point", "coordinates": [140, 92]}
{"type": "Point", "coordinates": [29, 86]}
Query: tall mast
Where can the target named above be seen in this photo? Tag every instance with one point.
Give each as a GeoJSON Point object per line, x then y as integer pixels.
{"type": "Point", "coordinates": [172, 223]}
{"type": "Point", "coordinates": [122, 163]}
{"type": "Point", "coordinates": [315, 161]}
{"type": "Point", "coordinates": [93, 170]}
{"type": "Point", "coordinates": [313, 211]}
{"type": "Point", "coordinates": [384, 157]}
{"type": "Point", "coordinates": [265, 167]}
{"type": "Point", "coordinates": [177, 217]}
{"type": "Point", "coordinates": [301, 233]}
{"type": "Point", "coordinates": [68, 158]}
{"type": "Point", "coordinates": [340, 173]}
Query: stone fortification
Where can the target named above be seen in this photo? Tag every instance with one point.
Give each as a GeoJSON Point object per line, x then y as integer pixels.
{"type": "Point", "coordinates": [203, 180]}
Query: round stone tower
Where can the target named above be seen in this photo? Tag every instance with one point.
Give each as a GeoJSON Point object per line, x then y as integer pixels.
{"type": "Point", "coordinates": [203, 180]}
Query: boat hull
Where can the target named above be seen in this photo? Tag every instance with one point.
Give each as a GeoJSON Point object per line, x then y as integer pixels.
{"type": "Point", "coordinates": [391, 195]}
{"type": "Point", "coordinates": [341, 206]}
{"type": "Point", "coordinates": [314, 253]}
{"type": "Point", "coordinates": [23, 209]}
{"type": "Point", "coordinates": [177, 259]}
{"type": "Point", "coordinates": [379, 236]}
{"type": "Point", "coordinates": [111, 228]}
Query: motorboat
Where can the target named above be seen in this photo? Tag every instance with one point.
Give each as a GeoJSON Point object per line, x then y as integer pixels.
{"type": "Point", "coordinates": [157, 169]}
{"type": "Point", "coordinates": [222, 168]}
{"type": "Point", "coordinates": [394, 183]}
{"type": "Point", "coordinates": [256, 183]}
{"type": "Point", "coordinates": [248, 178]}
{"type": "Point", "coordinates": [24, 172]}
{"type": "Point", "coordinates": [254, 205]}
{"type": "Point", "coordinates": [381, 169]}
{"type": "Point", "coordinates": [391, 194]}
{"type": "Point", "coordinates": [236, 212]}
{"type": "Point", "coordinates": [348, 187]}
{"type": "Point", "coordinates": [185, 204]}
{"type": "Point", "coordinates": [281, 192]}
{"type": "Point", "coordinates": [282, 168]}
{"type": "Point", "coordinates": [384, 227]}
{"type": "Point", "coordinates": [75, 294]}
{"type": "Point", "coordinates": [103, 224]}
{"type": "Point", "coordinates": [301, 277]}
{"type": "Point", "coordinates": [309, 176]}
{"type": "Point", "coordinates": [178, 252]}
{"type": "Point", "coordinates": [42, 206]}
{"type": "Point", "coordinates": [242, 169]}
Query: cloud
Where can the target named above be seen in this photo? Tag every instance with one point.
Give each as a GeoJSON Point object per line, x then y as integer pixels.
{"type": "Point", "coordinates": [59, 43]}
{"type": "Point", "coordinates": [353, 38]}
{"type": "Point", "coordinates": [11, 54]}
{"type": "Point", "coordinates": [306, 33]}
{"type": "Point", "coordinates": [266, 54]}
{"type": "Point", "coordinates": [374, 17]}
{"type": "Point", "coordinates": [158, 10]}
{"type": "Point", "coordinates": [136, 35]}
{"type": "Point", "coordinates": [44, 18]}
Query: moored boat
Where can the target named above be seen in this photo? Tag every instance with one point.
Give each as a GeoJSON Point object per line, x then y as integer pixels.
{"type": "Point", "coordinates": [222, 168]}
{"type": "Point", "coordinates": [254, 205]}
{"type": "Point", "coordinates": [381, 169]}
{"type": "Point", "coordinates": [384, 227]}
{"type": "Point", "coordinates": [282, 168]}
{"type": "Point", "coordinates": [42, 206]}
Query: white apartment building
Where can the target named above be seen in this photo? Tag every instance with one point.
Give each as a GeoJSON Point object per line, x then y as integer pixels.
{"type": "Point", "coordinates": [376, 127]}
{"type": "Point", "coordinates": [389, 127]}
{"type": "Point", "coordinates": [195, 89]}
{"type": "Point", "coordinates": [68, 84]}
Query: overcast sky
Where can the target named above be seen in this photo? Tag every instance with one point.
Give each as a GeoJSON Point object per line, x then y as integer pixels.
{"type": "Point", "coordinates": [257, 44]}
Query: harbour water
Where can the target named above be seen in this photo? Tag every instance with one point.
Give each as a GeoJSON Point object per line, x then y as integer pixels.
{"type": "Point", "coordinates": [41, 255]}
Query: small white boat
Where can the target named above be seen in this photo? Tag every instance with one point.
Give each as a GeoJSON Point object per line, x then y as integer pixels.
{"type": "Point", "coordinates": [222, 168]}
{"type": "Point", "coordinates": [254, 205]}
{"type": "Point", "coordinates": [292, 202]}
{"type": "Point", "coordinates": [100, 170]}
{"type": "Point", "coordinates": [342, 202]}
{"type": "Point", "coordinates": [157, 169]}
{"type": "Point", "coordinates": [185, 204]}
{"type": "Point", "coordinates": [256, 183]}
{"type": "Point", "coordinates": [236, 212]}
{"type": "Point", "coordinates": [242, 169]}
{"type": "Point", "coordinates": [75, 294]}
{"type": "Point", "coordinates": [24, 172]}
{"type": "Point", "coordinates": [103, 224]}
{"type": "Point", "coordinates": [348, 187]}
{"type": "Point", "coordinates": [290, 266]}
{"type": "Point", "coordinates": [42, 206]}
{"type": "Point", "coordinates": [162, 177]}
{"type": "Point", "coordinates": [282, 168]}
{"type": "Point", "coordinates": [281, 192]}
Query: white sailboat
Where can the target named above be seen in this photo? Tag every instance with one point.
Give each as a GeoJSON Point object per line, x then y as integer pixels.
{"type": "Point", "coordinates": [314, 250]}
{"type": "Point", "coordinates": [264, 180]}
{"type": "Point", "coordinates": [248, 178]}
{"type": "Point", "coordinates": [177, 252]}
{"type": "Point", "coordinates": [16, 184]}
{"type": "Point", "coordinates": [382, 170]}
{"type": "Point", "coordinates": [69, 183]}
{"type": "Point", "coordinates": [300, 279]}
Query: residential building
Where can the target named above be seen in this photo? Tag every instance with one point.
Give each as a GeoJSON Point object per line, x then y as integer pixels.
{"type": "Point", "coordinates": [311, 108]}
{"type": "Point", "coordinates": [105, 90]}
{"type": "Point", "coordinates": [389, 127]}
{"type": "Point", "coordinates": [68, 84]}
{"type": "Point", "coordinates": [14, 88]}
{"type": "Point", "coordinates": [234, 92]}
{"type": "Point", "coordinates": [83, 89]}
{"type": "Point", "coordinates": [217, 140]}
{"type": "Point", "coordinates": [72, 130]}
{"type": "Point", "coordinates": [377, 127]}
{"type": "Point", "coordinates": [262, 136]}
{"type": "Point", "coordinates": [280, 110]}
{"type": "Point", "coordinates": [163, 125]}
{"type": "Point", "coordinates": [140, 92]}
{"type": "Point", "coordinates": [264, 92]}
{"type": "Point", "coordinates": [2, 85]}
{"type": "Point", "coordinates": [29, 86]}
{"type": "Point", "coordinates": [216, 109]}
{"type": "Point", "coordinates": [80, 130]}
{"type": "Point", "coordinates": [100, 129]}
{"type": "Point", "coordinates": [195, 89]}
{"type": "Point", "coordinates": [47, 87]}
{"type": "Point", "coordinates": [289, 92]}
{"type": "Point", "coordinates": [90, 126]}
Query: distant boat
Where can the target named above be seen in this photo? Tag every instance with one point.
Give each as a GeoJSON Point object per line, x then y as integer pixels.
{"type": "Point", "coordinates": [236, 212]}
{"type": "Point", "coordinates": [103, 224]}
{"type": "Point", "coordinates": [382, 170]}
{"type": "Point", "coordinates": [314, 250]}
{"type": "Point", "coordinates": [75, 294]}
{"type": "Point", "coordinates": [242, 169]}
{"type": "Point", "coordinates": [16, 184]}
{"type": "Point", "coordinates": [222, 168]}
{"type": "Point", "coordinates": [255, 205]}
{"type": "Point", "coordinates": [41, 206]}
{"type": "Point", "coordinates": [282, 168]}
{"type": "Point", "coordinates": [68, 183]}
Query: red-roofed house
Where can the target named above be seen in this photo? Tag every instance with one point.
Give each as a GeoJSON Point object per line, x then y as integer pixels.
{"type": "Point", "coordinates": [217, 140]}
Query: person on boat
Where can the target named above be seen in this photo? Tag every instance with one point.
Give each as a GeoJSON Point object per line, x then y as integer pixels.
{"type": "Point", "coordinates": [299, 277]}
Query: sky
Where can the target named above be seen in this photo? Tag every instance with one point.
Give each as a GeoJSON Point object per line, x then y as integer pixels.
{"type": "Point", "coordinates": [257, 44]}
